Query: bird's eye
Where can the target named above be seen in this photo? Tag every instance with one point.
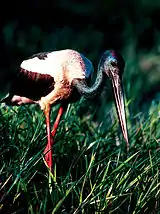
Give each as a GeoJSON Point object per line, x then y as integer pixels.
{"type": "Point", "coordinates": [113, 63]}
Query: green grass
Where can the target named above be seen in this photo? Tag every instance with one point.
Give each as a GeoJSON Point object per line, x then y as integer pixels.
{"type": "Point", "coordinates": [92, 171]}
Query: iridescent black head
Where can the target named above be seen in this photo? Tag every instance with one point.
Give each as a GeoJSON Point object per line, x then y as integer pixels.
{"type": "Point", "coordinates": [112, 64]}
{"type": "Point", "coordinates": [112, 61]}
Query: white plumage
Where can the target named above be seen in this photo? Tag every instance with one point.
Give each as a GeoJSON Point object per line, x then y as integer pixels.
{"type": "Point", "coordinates": [51, 77]}
{"type": "Point", "coordinates": [64, 64]}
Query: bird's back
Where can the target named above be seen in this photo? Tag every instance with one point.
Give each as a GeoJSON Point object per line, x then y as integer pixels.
{"type": "Point", "coordinates": [59, 64]}
{"type": "Point", "coordinates": [38, 74]}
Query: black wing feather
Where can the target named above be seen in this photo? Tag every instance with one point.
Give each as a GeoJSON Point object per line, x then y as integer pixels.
{"type": "Point", "coordinates": [41, 55]}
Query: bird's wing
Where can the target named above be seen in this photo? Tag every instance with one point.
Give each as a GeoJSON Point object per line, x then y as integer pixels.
{"type": "Point", "coordinates": [41, 55]}
{"type": "Point", "coordinates": [88, 66]}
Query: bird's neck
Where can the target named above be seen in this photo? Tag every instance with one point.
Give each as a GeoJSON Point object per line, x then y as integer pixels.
{"type": "Point", "coordinates": [84, 89]}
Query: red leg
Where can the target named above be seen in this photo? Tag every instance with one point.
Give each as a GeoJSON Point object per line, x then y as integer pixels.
{"type": "Point", "coordinates": [48, 156]}
{"type": "Point", "coordinates": [56, 123]}
{"type": "Point", "coordinates": [53, 132]}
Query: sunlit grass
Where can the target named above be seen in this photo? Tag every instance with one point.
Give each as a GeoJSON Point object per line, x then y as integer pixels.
{"type": "Point", "coordinates": [91, 173]}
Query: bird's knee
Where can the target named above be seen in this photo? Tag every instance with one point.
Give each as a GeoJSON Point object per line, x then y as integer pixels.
{"type": "Point", "coordinates": [43, 103]}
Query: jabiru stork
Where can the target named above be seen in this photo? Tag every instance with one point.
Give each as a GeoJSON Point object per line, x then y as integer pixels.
{"type": "Point", "coordinates": [61, 76]}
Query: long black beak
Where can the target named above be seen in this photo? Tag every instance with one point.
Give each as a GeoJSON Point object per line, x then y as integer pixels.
{"type": "Point", "coordinates": [119, 100]}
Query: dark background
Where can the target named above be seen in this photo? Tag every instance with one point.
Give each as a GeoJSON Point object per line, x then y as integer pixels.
{"type": "Point", "coordinates": [91, 27]}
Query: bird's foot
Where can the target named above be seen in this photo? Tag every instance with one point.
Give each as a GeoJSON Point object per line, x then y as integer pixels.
{"type": "Point", "coordinates": [18, 100]}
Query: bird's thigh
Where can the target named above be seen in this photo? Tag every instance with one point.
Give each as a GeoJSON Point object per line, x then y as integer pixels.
{"type": "Point", "coordinates": [59, 93]}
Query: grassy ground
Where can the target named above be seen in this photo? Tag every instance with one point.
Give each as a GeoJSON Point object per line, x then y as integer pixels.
{"type": "Point", "coordinates": [93, 173]}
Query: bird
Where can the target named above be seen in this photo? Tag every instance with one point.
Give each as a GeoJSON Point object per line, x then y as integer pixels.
{"type": "Point", "coordinates": [61, 76]}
